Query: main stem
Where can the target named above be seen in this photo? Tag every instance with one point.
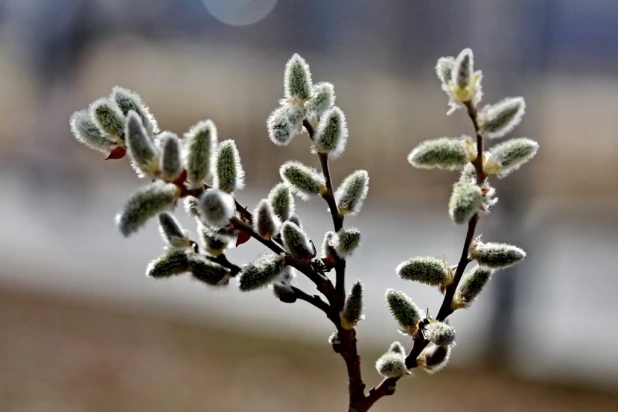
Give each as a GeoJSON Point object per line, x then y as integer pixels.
{"type": "Point", "coordinates": [346, 346]}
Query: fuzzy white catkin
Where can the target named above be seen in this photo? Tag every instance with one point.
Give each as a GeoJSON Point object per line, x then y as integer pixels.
{"type": "Point", "coordinates": [229, 174]}
{"type": "Point", "coordinates": [465, 202]}
{"type": "Point", "coordinates": [280, 130]}
{"type": "Point", "coordinates": [199, 148]}
{"type": "Point", "coordinates": [171, 231]}
{"type": "Point", "coordinates": [297, 78]}
{"type": "Point", "coordinates": [391, 365]}
{"type": "Point", "coordinates": [496, 120]}
{"type": "Point", "coordinates": [463, 68]}
{"type": "Point", "coordinates": [470, 287]}
{"type": "Point", "coordinates": [265, 222]}
{"type": "Point", "coordinates": [322, 99]}
{"type": "Point", "coordinates": [346, 241]}
{"type": "Point", "coordinates": [144, 154]}
{"type": "Point", "coordinates": [170, 163]}
{"type": "Point", "coordinates": [173, 262]}
{"type": "Point", "coordinates": [404, 310]}
{"type": "Point", "coordinates": [303, 180]}
{"type": "Point", "coordinates": [434, 358]}
{"type": "Point", "coordinates": [512, 154]}
{"type": "Point", "coordinates": [208, 272]}
{"type": "Point", "coordinates": [107, 117]}
{"type": "Point", "coordinates": [86, 131]}
{"type": "Point", "coordinates": [216, 208]}
{"type": "Point", "coordinates": [261, 272]}
{"type": "Point", "coordinates": [428, 270]}
{"type": "Point", "coordinates": [332, 133]}
{"type": "Point", "coordinates": [145, 203]}
{"type": "Point", "coordinates": [444, 69]}
{"type": "Point", "coordinates": [282, 201]}
{"type": "Point", "coordinates": [442, 153]}
{"type": "Point", "coordinates": [296, 241]}
{"type": "Point", "coordinates": [352, 312]}
{"type": "Point", "coordinates": [128, 100]}
{"type": "Point", "coordinates": [496, 255]}
{"type": "Point", "coordinates": [352, 193]}
{"type": "Point", "coordinates": [440, 333]}
{"type": "Point", "coordinates": [397, 347]}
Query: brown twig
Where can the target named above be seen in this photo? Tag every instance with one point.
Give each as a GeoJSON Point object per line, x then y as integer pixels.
{"type": "Point", "coordinates": [347, 347]}
{"type": "Point", "coordinates": [314, 300]}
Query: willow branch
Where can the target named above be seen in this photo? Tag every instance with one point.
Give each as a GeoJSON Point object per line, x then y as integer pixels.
{"type": "Point", "coordinates": [387, 386]}
{"type": "Point", "coordinates": [314, 300]}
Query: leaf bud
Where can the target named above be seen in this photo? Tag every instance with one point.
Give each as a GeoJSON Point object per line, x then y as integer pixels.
{"type": "Point", "coordinates": [352, 193]}
{"type": "Point", "coordinates": [261, 272]}
{"type": "Point", "coordinates": [470, 286]}
{"type": "Point", "coordinates": [265, 222]}
{"type": "Point", "coordinates": [145, 203]}
{"type": "Point", "coordinates": [428, 270]}
{"type": "Point", "coordinates": [297, 79]}
{"type": "Point", "coordinates": [143, 152]}
{"type": "Point", "coordinates": [496, 255]}
{"type": "Point", "coordinates": [296, 242]}
{"type": "Point", "coordinates": [303, 180]}
{"type": "Point", "coordinates": [170, 164]}
{"type": "Point", "coordinates": [404, 310]}
{"type": "Point", "coordinates": [199, 147]}
{"type": "Point", "coordinates": [465, 202]}
{"type": "Point", "coordinates": [229, 174]}
{"type": "Point", "coordinates": [108, 117]}
{"type": "Point", "coordinates": [332, 133]}
{"type": "Point", "coordinates": [282, 201]}
{"type": "Point", "coordinates": [172, 262]}
{"type": "Point", "coordinates": [353, 308]}
{"type": "Point", "coordinates": [496, 120]}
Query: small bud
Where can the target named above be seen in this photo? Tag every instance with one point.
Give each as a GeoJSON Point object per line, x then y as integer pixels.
{"type": "Point", "coordinates": [428, 270]}
{"type": "Point", "coordinates": [172, 232]}
{"type": "Point", "coordinates": [398, 348]}
{"type": "Point", "coordinates": [352, 193]}
{"type": "Point", "coordinates": [170, 164]}
{"type": "Point", "coordinates": [391, 365]}
{"type": "Point", "coordinates": [434, 358]}
{"type": "Point", "coordinates": [512, 154]}
{"type": "Point", "coordinates": [142, 150]}
{"type": "Point", "coordinates": [127, 101]}
{"type": "Point", "coordinates": [200, 145]}
{"type": "Point", "coordinates": [443, 153]}
{"type": "Point", "coordinates": [108, 117]}
{"type": "Point", "coordinates": [265, 222]}
{"type": "Point", "coordinates": [465, 83]}
{"type": "Point", "coordinates": [297, 79]}
{"type": "Point", "coordinates": [86, 131]}
{"type": "Point", "coordinates": [284, 123]}
{"type": "Point", "coordinates": [229, 174]}
{"type": "Point", "coordinates": [496, 120]}
{"type": "Point", "coordinates": [322, 99]}
{"type": "Point", "coordinates": [173, 262]}
{"type": "Point", "coordinates": [145, 203]}
{"type": "Point", "coordinates": [303, 180]}
{"type": "Point", "coordinates": [328, 251]}
{"type": "Point", "coordinates": [332, 133]}
{"type": "Point", "coordinates": [353, 308]}
{"type": "Point", "coordinates": [496, 255]}
{"type": "Point", "coordinates": [282, 201]}
{"type": "Point", "coordinates": [213, 243]}
{"type": "Point", "coordinates": [463, 69]}
{"type": "Point", "coordinates": [296, 220]}
{"type": "Point", "coordinates": [261, 272]}
{"type": "Point", "coordinates": [207, 271]}
{"type": "Point", "coordinates": [296, 242]}
{"type": "Point", "coordinates": [444, 69]}
{"type": "Point", "coordinates": [440, 333]}
{"type": "Point", "coordinates": [470, 286]}
{"type": "Point", "coordinates": [217, 208]}
{"type": "Point", "coordinates": [406, 312]}
{"type": "Point", "coordinates": [465, 202]}
{"type": "Point", "coordinates": [468, 174]}
{"type": "Point", "coordinates": [346, 241]}
{"type": "Point", "coordinates": [284, 292]}
{"type": "Point", "coordinates": [191, 206]}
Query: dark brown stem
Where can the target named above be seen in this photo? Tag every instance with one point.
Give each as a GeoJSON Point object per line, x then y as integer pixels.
{"type": "Point", "coordinates": [314, 300]}
{"type": "Point", "coordinates": [347, 347]}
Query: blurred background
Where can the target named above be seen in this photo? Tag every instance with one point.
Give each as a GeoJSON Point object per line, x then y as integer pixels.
{"type": "Point", "coordinates": [81, 327]}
